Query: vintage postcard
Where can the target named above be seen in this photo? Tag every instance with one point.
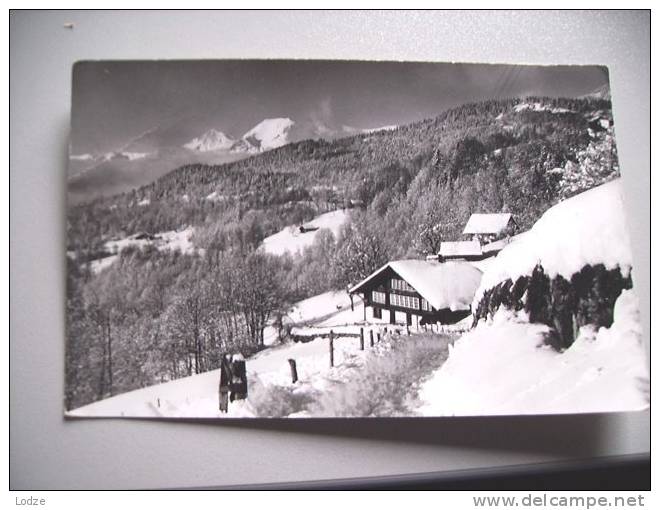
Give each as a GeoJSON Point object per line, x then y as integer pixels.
{"type": "Point", "coordinates": [347, 239]}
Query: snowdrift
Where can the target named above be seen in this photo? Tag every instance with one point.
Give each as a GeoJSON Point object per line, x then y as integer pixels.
{"type": "Point", "coordinates": [589, 228]}
{"type": "Point", "coordinates": [511, 363]}
{"type": "Point", "coordinates": [505, 368]}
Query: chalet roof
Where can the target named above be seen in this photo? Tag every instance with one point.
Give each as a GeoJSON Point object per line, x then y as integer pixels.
{"type": "Point", "coordinates": [487, 223]}
{"type": "Point", "coordinates": [460, 248]}
{"type": "Point", "coordinates": [444, 285]}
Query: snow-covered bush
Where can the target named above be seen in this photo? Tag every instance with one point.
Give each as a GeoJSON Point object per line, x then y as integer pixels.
{"type": "Point", "coordinates": [565, 305]}
{"type": "Point", "coordinates": [275, 401]}
{"type": "Point", "coordinates": [505, 367]}
{"type": "Point", "coordinates": [387, 383]}
{"type": "Point", "coordinates": [568, 270]}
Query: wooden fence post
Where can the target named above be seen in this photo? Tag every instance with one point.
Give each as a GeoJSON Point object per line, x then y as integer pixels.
{"type": "Point", "coordinates": [332, 349]}
{"type": "Point", "coordinates": [294, 371]}
{"type": "Point", "coordinates": [362, 339]}
{"type": "Point", "coordinates": [225, 381]}
{"type": "Point", "coordinates": [239, 385]}
{"type": "Point", "coordinates": [371, 338]}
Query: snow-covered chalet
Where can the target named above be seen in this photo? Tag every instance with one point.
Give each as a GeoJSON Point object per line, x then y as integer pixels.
{"type": "Point", "coordinates": [441, 288]}
{"type": "Point", "coordinates": [423, 291]}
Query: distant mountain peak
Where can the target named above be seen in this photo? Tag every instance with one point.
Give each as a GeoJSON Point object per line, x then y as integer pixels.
{"type": "Point", "coordinates": [212, 140]}
{"type": "Point", "coordinates": [270, 133]}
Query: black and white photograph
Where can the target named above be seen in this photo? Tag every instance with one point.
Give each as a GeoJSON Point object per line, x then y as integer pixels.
{"type": "Point", "coordinates": [311, 238]}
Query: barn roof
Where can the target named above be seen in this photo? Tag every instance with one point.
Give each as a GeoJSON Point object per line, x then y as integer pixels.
{"type": "Point", "coordinates": [459, 248]}
{"type": "Point", "coordinates": [487, 223]}
{"type": "Point", "coordinates": [444, 285]}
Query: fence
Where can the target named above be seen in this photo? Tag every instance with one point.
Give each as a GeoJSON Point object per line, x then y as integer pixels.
{"type": "Point", "coordinates": [380, 334]}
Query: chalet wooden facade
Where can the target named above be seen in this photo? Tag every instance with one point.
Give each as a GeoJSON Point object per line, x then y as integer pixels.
{"type": "Point", "coordinates": [417, 292]}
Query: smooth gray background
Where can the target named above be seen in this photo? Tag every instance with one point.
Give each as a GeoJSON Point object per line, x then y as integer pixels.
{"type": "Point", "coordinates": [48, 452]}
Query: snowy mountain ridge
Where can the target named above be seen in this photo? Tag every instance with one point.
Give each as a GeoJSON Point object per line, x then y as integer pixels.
{"type": "Point", "coordinates": [269, 134]}
{"type": "Point", "coordinates": [212, 140]}
{"type": "Point", "coordinates": [272, 133]}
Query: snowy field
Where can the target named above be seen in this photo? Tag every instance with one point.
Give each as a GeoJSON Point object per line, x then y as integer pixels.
{"type": "Point", "coordinates": [291, 240]}
{"type": "Point", "coordinates": [164, 241]}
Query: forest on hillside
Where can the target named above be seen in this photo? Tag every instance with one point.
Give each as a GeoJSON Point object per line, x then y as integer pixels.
{"type": "Point", "coordinates": [155, 315]}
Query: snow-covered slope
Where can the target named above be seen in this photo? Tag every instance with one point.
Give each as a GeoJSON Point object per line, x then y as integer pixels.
{"type": "Point", "coordinates": [197, 395]}
{"type": "Point", "coordinates": [163, 241]}
{"type": "Point", "coordinates": [292, 240]}
{"type": "Point", "coordinates": [589, 228]}
{"type": "Point", "coordinates": [212, 140]}
{"type": "Point", "coordinates": [504, 368]}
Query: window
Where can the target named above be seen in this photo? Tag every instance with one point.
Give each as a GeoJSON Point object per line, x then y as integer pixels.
{"type": "Point", "coordinates": [398, 284]}
{"type": "Point", "coordinates": [378, 314]}
{"type": "Point", "coordinates": [378, 297]}
{"type": "Point", "coordinates": [404, 301]}
{"type": "Point", "coordinates": [426, 306]}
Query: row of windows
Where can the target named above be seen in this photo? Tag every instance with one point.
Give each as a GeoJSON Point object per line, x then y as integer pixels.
{"type": "Point", "coordinates": [398, 284]}
{"type": "Point", "coordinates": [426, 306]}
{"type": "Point", "coordinates": [404, 301]}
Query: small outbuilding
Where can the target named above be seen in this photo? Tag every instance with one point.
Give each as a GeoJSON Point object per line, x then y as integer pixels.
{"type": "Point", "coordinates": [427, 290]}
{"type": "Point", "coordinates": [486, 228]}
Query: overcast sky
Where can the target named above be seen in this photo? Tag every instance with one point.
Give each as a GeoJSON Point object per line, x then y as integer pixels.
{"type": "Point", "coordinates": [113, 102]}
